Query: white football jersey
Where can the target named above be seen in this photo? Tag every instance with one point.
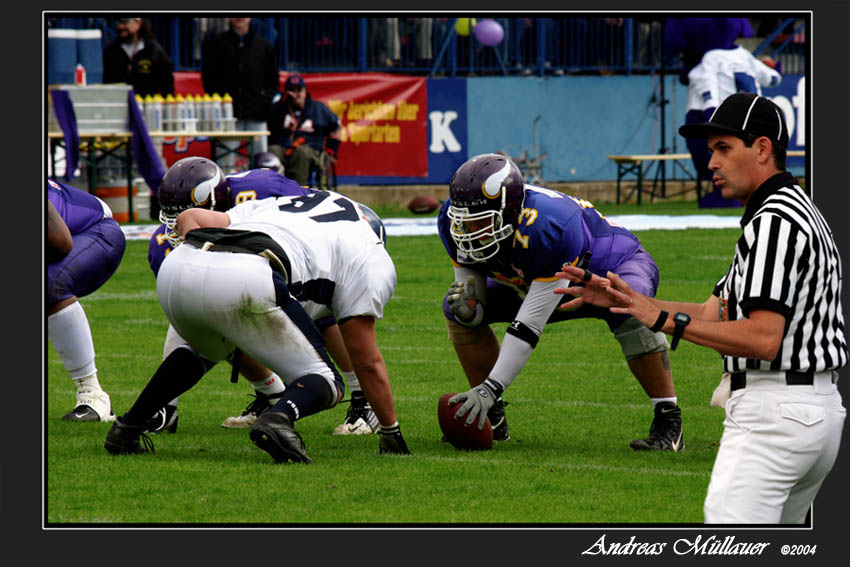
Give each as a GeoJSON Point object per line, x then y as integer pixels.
{"type": "Point", "coordinates": [724, 72]}
{"type": "Point", "coordinates": [338, 264]}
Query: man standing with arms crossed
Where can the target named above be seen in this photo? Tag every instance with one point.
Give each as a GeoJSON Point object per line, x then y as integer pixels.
{"type": "Point", "coordinates": [776, 317]}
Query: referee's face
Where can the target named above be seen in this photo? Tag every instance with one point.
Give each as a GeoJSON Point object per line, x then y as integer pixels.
{"type": "Point", "coordinates": [733, 167]}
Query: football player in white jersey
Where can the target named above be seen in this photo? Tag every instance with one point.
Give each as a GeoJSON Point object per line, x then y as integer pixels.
{"type": "Point", "coordinates": [254, 279]}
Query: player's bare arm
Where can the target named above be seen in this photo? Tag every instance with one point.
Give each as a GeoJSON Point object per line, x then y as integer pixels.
{"type": "Point", "coordinates": [59, 240]}
{"type": "Point", "coordinates": [361, 342]}
{"type": "Point", "coordinates": [191, 219]}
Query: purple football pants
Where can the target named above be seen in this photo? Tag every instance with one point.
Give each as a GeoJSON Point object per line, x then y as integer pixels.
{"type": "Point", "coordinates": [96, 254]}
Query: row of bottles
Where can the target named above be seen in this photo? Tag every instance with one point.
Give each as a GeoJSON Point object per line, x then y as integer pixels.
{"type": "Point", "coordinates": [188, 113]}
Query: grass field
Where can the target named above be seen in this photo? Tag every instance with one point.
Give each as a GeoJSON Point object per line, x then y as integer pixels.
{"type": "Point", "coordinates": [572, 412]}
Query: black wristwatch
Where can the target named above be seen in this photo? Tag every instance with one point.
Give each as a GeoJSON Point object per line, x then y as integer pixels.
{"type": "Point", "coordinates": [681, 320]}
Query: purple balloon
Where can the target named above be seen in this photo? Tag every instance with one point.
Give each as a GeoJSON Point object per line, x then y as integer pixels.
{"type": "Point", "coordinates": [489, 32]}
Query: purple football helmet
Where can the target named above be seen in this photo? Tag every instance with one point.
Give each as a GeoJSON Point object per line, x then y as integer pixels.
{"type": "Point", "coordinates": [486, 195]}
{"type": "Point", "coordinates": [190, 182]}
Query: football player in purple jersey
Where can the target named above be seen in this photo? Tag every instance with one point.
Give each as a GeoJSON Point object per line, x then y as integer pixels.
{"type": "Point", "coordinates": [84, 247]}
{"type": "Point", "coordinates": [507, 240]}
{"type": "Point", "coordinates": [199, 182]}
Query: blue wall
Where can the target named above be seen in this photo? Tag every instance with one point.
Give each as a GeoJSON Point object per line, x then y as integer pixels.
{"type": "Point", "coordinates": [585, 119]}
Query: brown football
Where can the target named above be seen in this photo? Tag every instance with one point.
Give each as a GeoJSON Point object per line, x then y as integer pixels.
{"type": "Point", "coordinates": [457, 433]}
{"type": "Point", "coordinates": [422, 204]}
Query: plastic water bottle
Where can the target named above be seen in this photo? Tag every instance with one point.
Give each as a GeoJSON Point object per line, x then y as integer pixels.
{"type": "Point", "coordinates": [169, 113]}
{"type": "Point", "coordinates": [206, 113]}
{"type": "Point", "coordinates": [149, 117]}
{"type": "Point", "coordinates": [180, 105]}
{"type": "Point", "coordinates": [217, 124]}
{"type": "Point", "coordinates": [191, 113]}
{"type": "Point", "coordinates": [227, 112]}
{"type": "Point", "coordinates": [158, 113]}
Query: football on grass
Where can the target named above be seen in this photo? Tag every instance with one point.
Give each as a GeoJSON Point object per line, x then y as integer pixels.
{"type": "Point", "coordinates": [456, 431]}
{"type": "Point", "coordinates": [422, 204]}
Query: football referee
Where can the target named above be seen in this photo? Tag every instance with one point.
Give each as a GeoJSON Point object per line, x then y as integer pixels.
{"type": "Point", "coordinates": [776, 318]}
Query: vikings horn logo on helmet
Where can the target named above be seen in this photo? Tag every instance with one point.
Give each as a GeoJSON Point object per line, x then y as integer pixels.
{"type": "Point", "coordinates": [204, 191]}
{"type": "Point", "coordinates": [492, 186]}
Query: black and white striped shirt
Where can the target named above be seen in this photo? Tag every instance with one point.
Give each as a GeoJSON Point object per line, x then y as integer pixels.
{"type": "Point", "coordinates": [786, 261]}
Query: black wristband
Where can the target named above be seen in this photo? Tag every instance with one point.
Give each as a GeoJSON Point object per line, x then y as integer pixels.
{"type": "Point", "coordinates": [659, 323]}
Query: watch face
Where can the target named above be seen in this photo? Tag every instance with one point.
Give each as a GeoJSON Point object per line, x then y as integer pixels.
{"type": "Point", "coordinates": [682, 318]}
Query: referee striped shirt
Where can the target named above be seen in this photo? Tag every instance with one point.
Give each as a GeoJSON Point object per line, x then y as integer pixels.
{"type": "Point", "coordinates": [786, 261]}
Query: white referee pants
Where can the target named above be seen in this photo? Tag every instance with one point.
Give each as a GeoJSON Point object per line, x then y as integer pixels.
{"type": "Point", "coordinates": [779, 442]}
{"type": "Point", "coordinates": [218, 300]}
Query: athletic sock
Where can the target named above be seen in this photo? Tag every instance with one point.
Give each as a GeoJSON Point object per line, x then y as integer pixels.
{"type": "Point", "coordinates": [655, 401]}
{"type": "Point", "coordinates": [68, 329]}
{"type": "Point", "coordinates": [351, 381]}
{"type": "Point", "coordinates": [308, 395]}
{"type": "Point", "coordinates": [271, 386]}
{"type": "Point", "coordinates": [178, 373]}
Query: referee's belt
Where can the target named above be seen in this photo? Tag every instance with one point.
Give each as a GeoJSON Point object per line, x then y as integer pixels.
{"type": "Point", "coordinates": [241, 241]}
{"type": "Point", "coordinates": [790, 377]}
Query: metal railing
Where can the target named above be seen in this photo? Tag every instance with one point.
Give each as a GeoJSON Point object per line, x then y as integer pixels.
{"type": "Point", "coordinates": [530, 46]}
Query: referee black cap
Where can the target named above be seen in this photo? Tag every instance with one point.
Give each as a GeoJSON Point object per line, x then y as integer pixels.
{"type": "Point", "coordinates": [743, 113]}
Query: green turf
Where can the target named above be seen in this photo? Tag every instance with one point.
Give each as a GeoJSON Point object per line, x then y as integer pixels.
{"type": "Point", "coordinates": [572, 412]}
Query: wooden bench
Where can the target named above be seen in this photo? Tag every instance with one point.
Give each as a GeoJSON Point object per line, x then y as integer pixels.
{"type": "Point", "coordinates": [633, 164]}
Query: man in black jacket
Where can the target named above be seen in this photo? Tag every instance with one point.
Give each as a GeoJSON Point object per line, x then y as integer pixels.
{"type": "Point", "coordinates": [242, 63]}
{"type": "Point", "coordinates": [136, 58]}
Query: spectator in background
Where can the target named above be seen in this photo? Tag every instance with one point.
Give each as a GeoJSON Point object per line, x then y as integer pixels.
{"type": "Point", "coordinates": [136, 58]}
{"type": "Point", "coordinates": [303, 131]}
{"type": "Point", "coordinates": [721, 73]}
{"type": "Point", "coordinates": [693, 39]}
{"type": "Point", "coordinates": [242, 63]}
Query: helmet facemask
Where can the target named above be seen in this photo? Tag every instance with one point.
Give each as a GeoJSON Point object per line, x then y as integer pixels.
{"type": "Point", "coordinates": [478, 240]}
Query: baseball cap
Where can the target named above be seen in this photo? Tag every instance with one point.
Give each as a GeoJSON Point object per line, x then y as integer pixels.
{"type": "Point", "coordinates": [743, 113]}
{"type": "Point", "coordinates": [125, 20]}
{"type": "Point", "coordinates": [294, 83]}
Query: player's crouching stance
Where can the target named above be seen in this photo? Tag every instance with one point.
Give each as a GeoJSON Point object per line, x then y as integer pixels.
{"type": "Point", "coordinates": [506, 241]}
{"type": "Point", "coordinates": [254, 279]}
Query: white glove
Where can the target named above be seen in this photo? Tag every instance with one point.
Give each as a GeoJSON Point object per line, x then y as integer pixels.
{"type": "Point", "coordinates": [459, 296]}
{"type": "Point", "coordinates": [476, 402]}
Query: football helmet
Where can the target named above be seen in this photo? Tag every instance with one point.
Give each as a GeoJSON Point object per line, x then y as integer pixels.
{"type": "Point", "coordinates": [268, 160]}
{"type": "Point", "coordinates": [486, 195]}
{"type": "Point", "coordinates": [190, 182]}
{"type": "Point", "coordinates": [375, 222]}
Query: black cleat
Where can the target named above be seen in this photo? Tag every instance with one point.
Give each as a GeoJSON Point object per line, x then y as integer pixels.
{"type": "Point", "coordinates": [498, 421]}
{"type": "Point", "coordinates": [81, 413]}
{"type": "Point", "coordinates": [164, 419]}
{"type": "Point", "coordinates": [123, 439]}
{"type": "Point", "coordinates": [273, 433]}
{"type": "Point", "coordinates": [665, 433]}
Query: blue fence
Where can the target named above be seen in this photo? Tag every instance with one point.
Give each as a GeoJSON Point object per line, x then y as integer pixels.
{"type": "Point", "coordinates": [530, 46]}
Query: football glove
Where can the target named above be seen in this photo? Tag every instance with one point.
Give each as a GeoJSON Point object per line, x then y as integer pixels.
{"type": "Point", "coordinates": [392, 440]}
{"type": "Point", "coordinates": [477, 402]}
{"type": "Point", "coordinates": [457, 296]}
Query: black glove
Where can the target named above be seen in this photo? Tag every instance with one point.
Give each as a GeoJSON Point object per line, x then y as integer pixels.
{"type": "Point", "coordinates": [392, 440]}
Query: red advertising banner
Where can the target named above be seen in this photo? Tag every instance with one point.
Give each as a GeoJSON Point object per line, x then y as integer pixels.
{"type": "Point", "coordinates": [384, 121]}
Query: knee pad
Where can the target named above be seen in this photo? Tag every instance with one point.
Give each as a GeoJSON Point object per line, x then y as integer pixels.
{"type": "Point", "coordinates": [463, 335]}
{"type": "Point", "coordinates": [637, 340]}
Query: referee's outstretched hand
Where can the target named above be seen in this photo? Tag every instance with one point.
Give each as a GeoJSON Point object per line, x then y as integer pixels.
{"type": "Point", "coordinates": [590, 288]}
